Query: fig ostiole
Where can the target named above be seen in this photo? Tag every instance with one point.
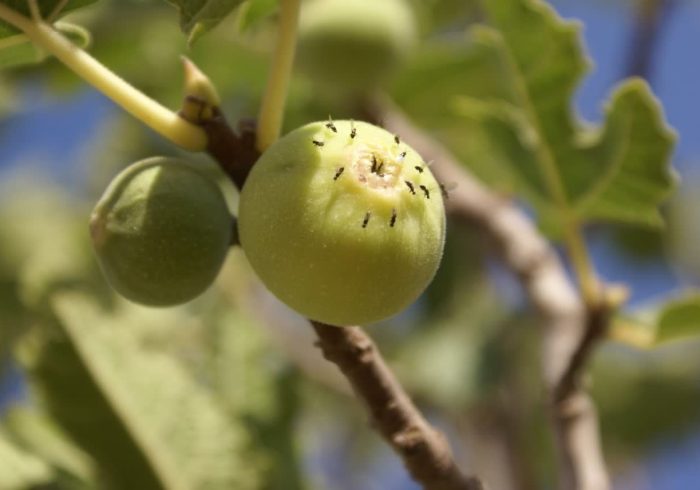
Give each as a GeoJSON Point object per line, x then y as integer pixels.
{"type": "Point", "coordinates": [343, 222]}
{"type": "Point", "coordinates": [161, 231]}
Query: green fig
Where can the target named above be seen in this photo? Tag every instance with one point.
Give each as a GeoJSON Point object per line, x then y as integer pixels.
{"type": "Point", "coordinates": [354, 45]}
{"type": "Point", "coordinates": [343, 222]}
{"type": "Point", "coordinates": [161, 232]}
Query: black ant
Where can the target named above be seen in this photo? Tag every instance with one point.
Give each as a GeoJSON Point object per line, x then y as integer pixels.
{"type": "Point", "coordinates": [425, 191]}
{"type": "Point", "coordinates": [366, 220]}
{"type": "Point", "coordinates": [330, 125]}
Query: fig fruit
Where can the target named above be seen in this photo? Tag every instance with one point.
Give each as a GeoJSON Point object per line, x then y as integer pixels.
{"type": "Point", "coordinates": [354, 45]}
{"type": "Point", "coordinates": [343, 222]}
{"type": "Point", "coordinates": [161, 232]}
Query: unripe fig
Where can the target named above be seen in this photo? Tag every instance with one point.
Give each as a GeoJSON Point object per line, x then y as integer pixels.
{"type": "Point", "coordinates": [353, 45]}
{"type": "Point", "coordinates": [161, 232]}
{"type": "Point", "coordinates": [343, 222]}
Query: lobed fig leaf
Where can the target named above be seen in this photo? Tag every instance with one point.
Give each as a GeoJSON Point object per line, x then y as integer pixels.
{"type": "Point", "coordinates": [161, 232]}
{"type": "Point", "coordinates": [343, 222]}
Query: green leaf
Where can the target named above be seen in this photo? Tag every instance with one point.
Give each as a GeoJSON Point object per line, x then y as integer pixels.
{"type": "Point", "coordinates": [199, 16]}
{"type": "Point", "coordinates": [256, 386]}
{"type": "Point", "coordinates": [645, 397]}
{"type": "Point", "coordinates": [631, 156]}
{"type": "Point", "coordinates": [619, 173]}
{"type": "Point", "coordinates": [17, 50]}
{"type": "Point", "coordinates": [38, 433]}
{"type": "Point", "coordinates": [677, 319]}
{"type": "Point", "coordinates": [20, 470]}
{"type": "Point", "coordinates": [15, 47]}
{"type": "Point", "coordinates": [137, 412]}
{"type": "Point", "coordinates": [47, 7]}
{"type": "Point", "coordinates": [253, 12]}
{"type": "Point", "coordinates": [512, 87]}
{"type": "Point", "coordinates": [43, 238]}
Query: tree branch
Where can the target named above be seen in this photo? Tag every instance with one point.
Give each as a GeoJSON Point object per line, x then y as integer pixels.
{"type": "Point", "coordinates": [424, 451]}
{"type": "Point", "coordinates": [234, 151]}
{"type": "Point", "coordinates": [570, 331]}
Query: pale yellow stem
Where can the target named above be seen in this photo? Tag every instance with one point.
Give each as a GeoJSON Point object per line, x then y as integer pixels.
{"type": "Point", "coordinates": [272, 110]}
{"type": "Point", "coordinates": [135, 102]}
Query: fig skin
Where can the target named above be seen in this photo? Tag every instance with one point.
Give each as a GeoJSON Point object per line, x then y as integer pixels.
{"type": "Point", "coordinates": [354, 45]}
{"type": "Point", "coordinates": [343, 247]}
{"type": "Point", "coordinates": [161, 232]}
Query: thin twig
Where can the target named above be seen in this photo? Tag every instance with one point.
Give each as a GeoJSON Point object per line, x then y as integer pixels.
{"type": "Point", "coordinates": [424, 451]}
{"type": "Point", "coordinates": [570, 330]}
{"type": "Point", "coordinates": [275, 96]}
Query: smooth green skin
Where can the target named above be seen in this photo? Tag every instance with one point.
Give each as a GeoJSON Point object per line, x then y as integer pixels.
{"type": "Point", "coordinates": [353, 45]}
{"type": "Point", "coordinates": [302, 230]}
{"type": "Point", "coordinates": [161, 232]}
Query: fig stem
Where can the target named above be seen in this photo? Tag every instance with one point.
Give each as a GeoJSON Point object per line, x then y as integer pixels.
{"type": "Point", "coordinates": [424, 450]}
{"type": "Point", "coordinates": [275, 96]}
{"type": "Point", "coordinates": [158, 117]}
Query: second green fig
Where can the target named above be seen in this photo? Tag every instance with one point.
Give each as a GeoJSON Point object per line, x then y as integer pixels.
{"type": "Point", "coordinates": [161, 232]}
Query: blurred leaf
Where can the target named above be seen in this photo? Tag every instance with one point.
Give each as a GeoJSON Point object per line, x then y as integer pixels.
{"type": "Point", "coordinates": [154, 40]}
{"type": "Point", "coordinates": [645, 397]}
{"type": "Point", "coordinates": [137, 412]}
{"type": "Point", "coordinates": [43, 245]}
{"type": "Point", "coordinates": [44, 240]}
{"type": "Point", "coordinates": [454, 348]}
{"type": "Point", "coordinates": [10, 99]}
{"type": "Point", "coordinates": [660, 323]}
{"type": "Point", "coordinates": [36, 432]}
{"type": "Point", "coordinates": [513, 85]}
{"type": "Point", "coordinates": [642, 244]}
{"type": "Point", "coordinates": [20, 470]}
{"type": "Point", "coordinates": [683, 233]}
{"type": "Point", "coordinates": [16, 49]}
{"type": "Point", "coordinates": [253, 12]}
{"type": "Point", "coordinates": [47, 8]}
{"type": "Point", "coordinates": [199, 16]}
{"type": "Point", "coordinates": [679, 320]}
{"type": "Point", "coordinates": [445, 15]}
{"type": "Point", "coordinates": [257, 387]}
{"type": "Point", "coordinates": [460, 268]}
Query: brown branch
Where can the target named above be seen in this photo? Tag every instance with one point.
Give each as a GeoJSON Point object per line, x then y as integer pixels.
{"type": "Point", "coordinates": [424, 451]}
{"type": "Point", "coordinates": [570, 331]}
{"type": "Point", "coordinates": [234, 151]}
